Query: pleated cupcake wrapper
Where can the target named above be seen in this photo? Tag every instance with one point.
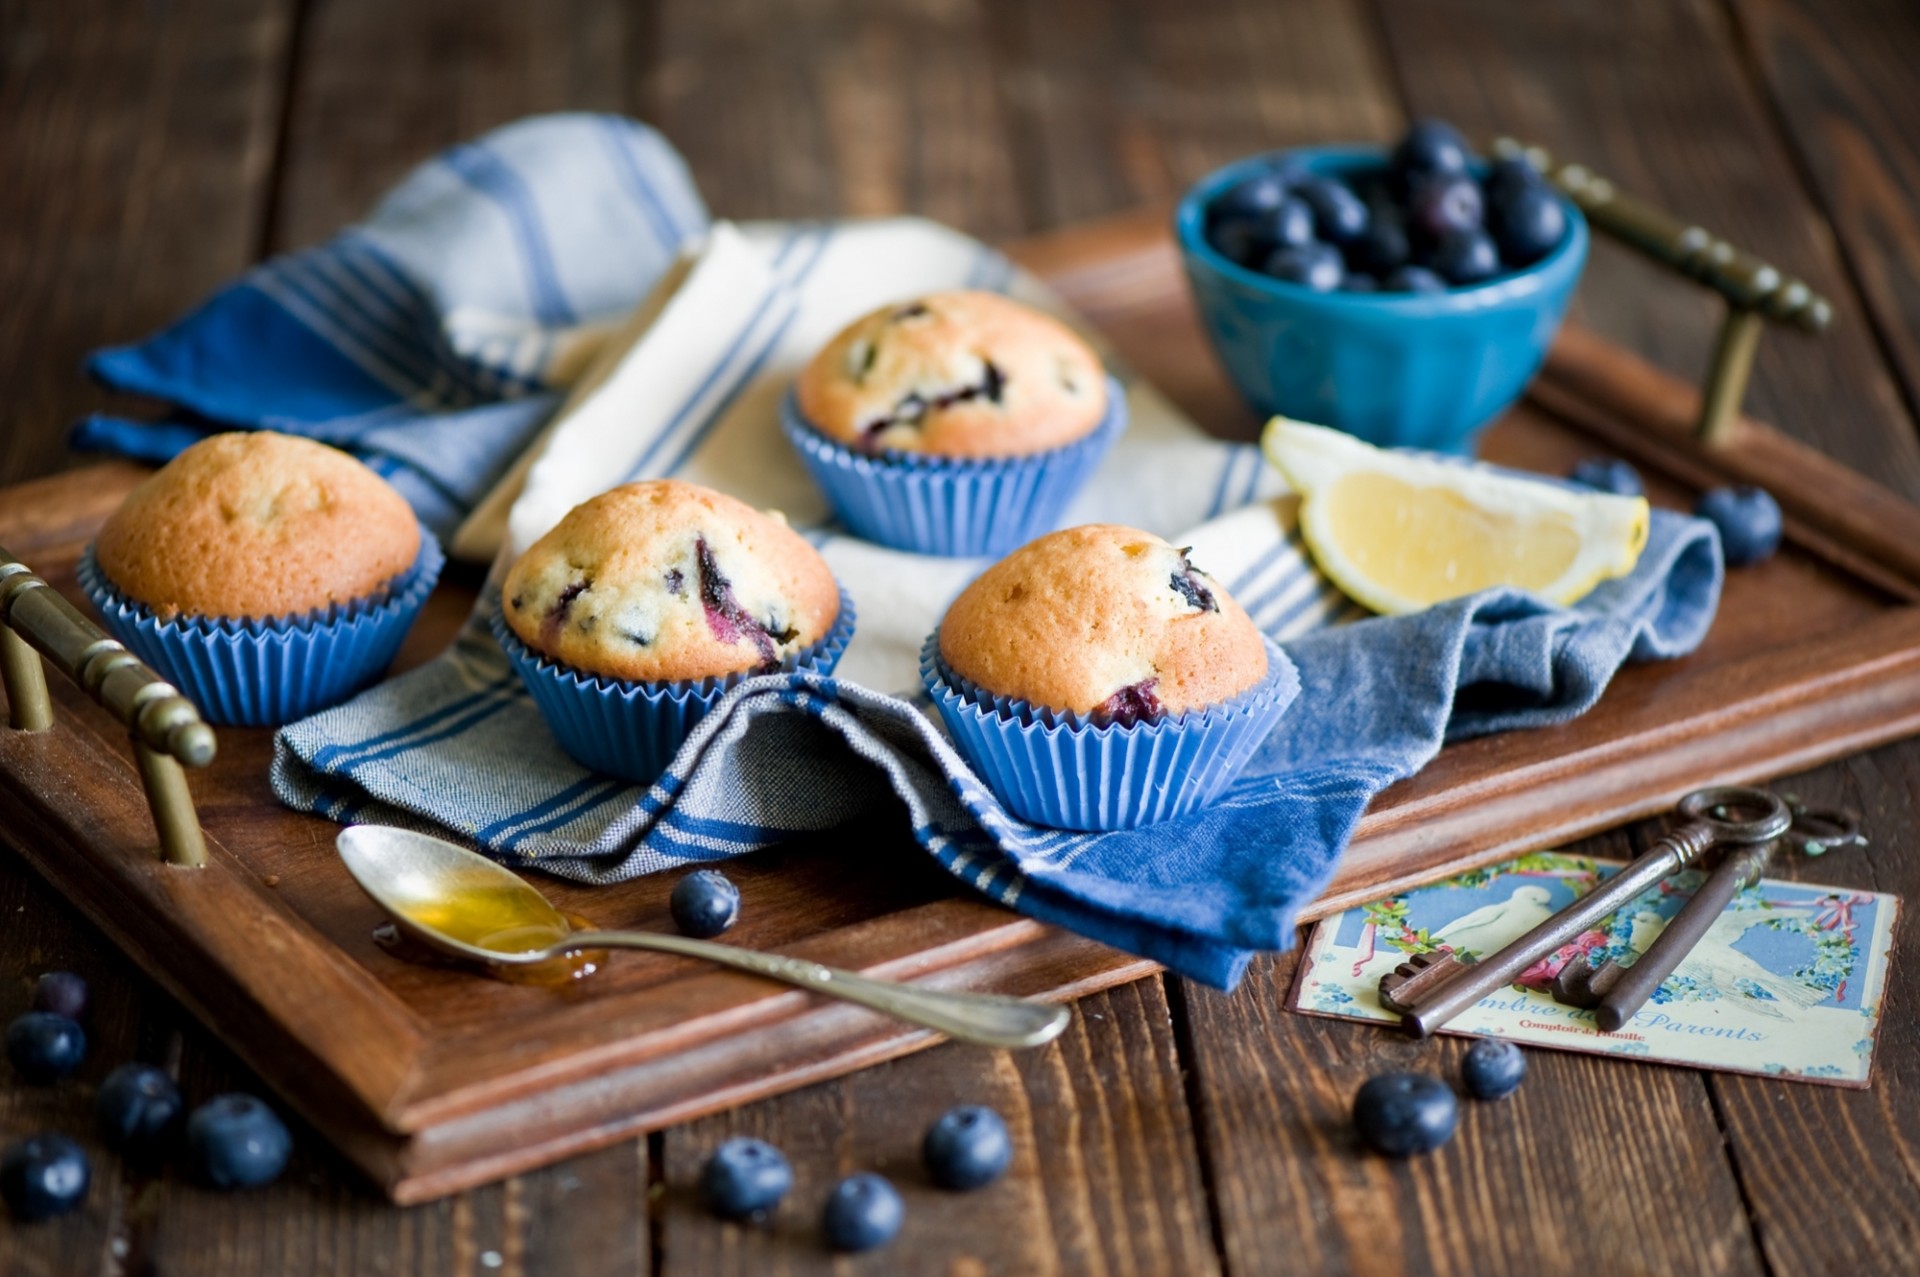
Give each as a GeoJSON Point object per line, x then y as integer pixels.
{"type": "Point", "coordinates": [632, 729]}
{"type": "Point", "coordinates": [956, 507]}
{"type": "Point", "coordinates": [263, 673]}
{"type": "Point", "coordinates": [1062, 771]}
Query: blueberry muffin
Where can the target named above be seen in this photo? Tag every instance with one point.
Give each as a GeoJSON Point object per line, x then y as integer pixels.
{"type": "Point", "coordinates": [1107, 622]}
{"type": "Point", "coordinates": [664, 580]}
{"type": "Point", "coordinates": [956, 374]}
{"type": "Point", "coordinates": [257, 525]}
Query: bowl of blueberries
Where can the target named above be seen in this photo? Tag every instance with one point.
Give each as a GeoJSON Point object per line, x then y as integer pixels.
{"type": "Point", "coordinates": [1405, 295]}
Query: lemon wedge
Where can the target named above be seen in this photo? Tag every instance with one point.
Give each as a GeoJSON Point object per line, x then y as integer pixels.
{"type": "Point", "coordinates": [1398, 532]}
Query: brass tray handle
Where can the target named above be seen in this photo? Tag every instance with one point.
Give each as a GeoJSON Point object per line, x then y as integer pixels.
{"type": "Point", "coordinates": [1755, 291]}
{"type": "Point", "coordinates": [35, 622]}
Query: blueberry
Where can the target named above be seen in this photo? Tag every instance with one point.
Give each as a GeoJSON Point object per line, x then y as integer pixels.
{"type": "Point", "coordinates": [745, 1179]}
{"type": "Point", "coordinates": [1239, 240]}
{"type": "Point", "coordinates": [45, 1047]}
{"type": "Point", "coordinates": [1288, 226]}
{"type": "Point", "coordinates": [1493, 1069]}
{"type": "Point", "coordinates": [236, 1141]}
{"type": "Point", "coordinates": [1401, 1114]}
{"type": "Point", "coordinates": [1384, 248]}
{"type": "Point", "coordinates": [1249, 197]}
{"type": "Point", "coordinates": [1249, 239]}
{"type": "Point", "coordinates": [862, 1211]}
{"type": "Point", "coordinates": [1466, 257]}
{"type": "Point", "coordinates": [1510, 173]}
{"type": "Point", "coordinates": [1414, 279]}
{"type": "Point", "coordinates": [1609, 474]}
{"type": "Point", "coordinates": [1338, 214]}
{"type": "Point", "coordinates": [704, 903]}
{"type": "Point", "coordinates": [1431, 146]}
{"type": "Point", "coordinates": [1527, 223]}
{"type": "Point", "coordinates": [1445, 204]}
{"type": "Point", "coordinates": [61, 992]}
{"type": "Point", "coordinates": [140, 1110]}
{"type": "Point", "coordinates": [1359, 282]}
{"type": "Point", "coordinates": [1749, 523]}
{"type": "Point", "coordinates": [44, 1176]}
{"type": "Point", "coordinates": [967, 1147]}
{"type": "Point", "coordinates": [1318, 266]}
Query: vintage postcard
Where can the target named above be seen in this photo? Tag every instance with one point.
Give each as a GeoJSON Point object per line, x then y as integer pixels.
{"type": "Point", "coordinates": [1787, 983]}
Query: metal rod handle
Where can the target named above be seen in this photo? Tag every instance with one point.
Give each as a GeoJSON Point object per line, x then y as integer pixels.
{"type": "Point", "coordinates": [167, 730]}
{"type": "Point", "coordinates": [1754, 289]}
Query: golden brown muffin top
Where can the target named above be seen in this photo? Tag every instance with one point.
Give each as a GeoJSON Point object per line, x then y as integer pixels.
{"type": "Point", "coordinates": [664, 580]}
{"type": "Point", "coordinates": [957, 374]}
{"type": "Point", "coordinates": [253, 525]}
{"type": "Point", "coordinates": [1105, 621]}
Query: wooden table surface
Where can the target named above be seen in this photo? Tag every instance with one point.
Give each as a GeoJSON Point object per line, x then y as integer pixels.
{"type": "Point", "coordinates": [155, 148]}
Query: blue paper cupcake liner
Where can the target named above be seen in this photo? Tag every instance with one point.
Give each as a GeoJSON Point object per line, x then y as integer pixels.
{"type": "Point", "coordinates": [631, 728]}
{"type": "Point", "coordinates": [956, 507]}
{"type": "Point", "coordinates": [261, 673]}
{"type": "Point", "coordinates": [1065, 772]}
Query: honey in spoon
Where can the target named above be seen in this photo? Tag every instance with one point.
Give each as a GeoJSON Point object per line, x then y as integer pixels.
{"type": "Point", "coordinates": [500, 919]}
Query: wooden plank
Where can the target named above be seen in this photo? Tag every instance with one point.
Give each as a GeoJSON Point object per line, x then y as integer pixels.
{"type": "Point", "coordinates": [1114, 105]}
{"type": "Point", "coordinates": [1592, 1166]}
{"type": "Point", "coordinates": [1840, 78]}
{"type": "Point", "coordinates": [381, 87]}
{"type": "Point", "coordinates": [137, 140]}
{"type": "Point", "coordinates": [832, 108]}
{"type": "Point", "coordinates": [1105, 1177]}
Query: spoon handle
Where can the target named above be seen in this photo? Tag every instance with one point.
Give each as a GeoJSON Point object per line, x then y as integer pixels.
{"type": "Point", "coordinates": [987, 1019]}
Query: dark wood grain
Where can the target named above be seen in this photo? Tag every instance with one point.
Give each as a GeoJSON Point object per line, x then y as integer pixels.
{"type": "Point", "coordinates": [822, 108]}
{"type": "Point", "coordinates": [379, 87]}
{"type": "Point", "coordinates": [1841, 79]}
{"type": "Point", "coordinates": [137, 141]}
{"type": "Point", "coordinates": [1105, 1177]}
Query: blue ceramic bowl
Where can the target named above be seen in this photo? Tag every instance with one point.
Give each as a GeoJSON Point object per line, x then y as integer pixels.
{"type": "Point", "coordinates": [1397, 369]}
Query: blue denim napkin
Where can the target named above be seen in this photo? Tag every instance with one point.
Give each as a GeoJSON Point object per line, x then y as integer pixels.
{"type": "Point", "coordinates": [458, 745]}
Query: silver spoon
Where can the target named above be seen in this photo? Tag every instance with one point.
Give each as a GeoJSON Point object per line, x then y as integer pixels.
{"type": "Point", "coordinates": [463, 904]}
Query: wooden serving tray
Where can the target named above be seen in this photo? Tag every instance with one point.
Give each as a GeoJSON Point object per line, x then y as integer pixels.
{"type": "Point", "coordinates": [432, 1079]}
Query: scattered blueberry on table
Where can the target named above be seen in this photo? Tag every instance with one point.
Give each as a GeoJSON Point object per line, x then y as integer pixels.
{"type": "Point", "coordinates": [44, 1047]}
{"type": "Point", "coordinates": [1401, 1114]}
{"type": "Point", "coordinates": [44, 1176]}
{"type": "Point", "coordinates": [745, 1179]}
{"type": "Point", "coordinates": [967, 1148]}
{"type": "Point", "coordinates": [1609, 474]}
{"type": "Point", "coordinates": [1749, 523]}
{"type": "Point", "coordinates": [863, 1211]}
{"type": "Point", "coordinates": [236, 1141]}
{"type": "Point", "coordinates": [1493, 1069]}
{"type": "Point", "coordinates": [140, 1111]}
{"type": "Point", "coordinates": [1421, 224]}
{"type": "Point", "coordinates": [61, 992]}
{"type": "Point", "coordinates": [704, 903]}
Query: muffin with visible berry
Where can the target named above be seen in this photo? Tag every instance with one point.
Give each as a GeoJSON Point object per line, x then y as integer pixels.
{"type": "Point", "coordinates": [1098, 679]}
{"type": "Point", "coordinates": [956, 423]}
{"type": "Point", "coordinates": [642, 606]}
{"type": "Point", "coordinates": [266, 575]}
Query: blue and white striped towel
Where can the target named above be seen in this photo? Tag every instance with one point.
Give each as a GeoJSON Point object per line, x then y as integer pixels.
{"type": "Point", "coordinates": [689, 388]}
